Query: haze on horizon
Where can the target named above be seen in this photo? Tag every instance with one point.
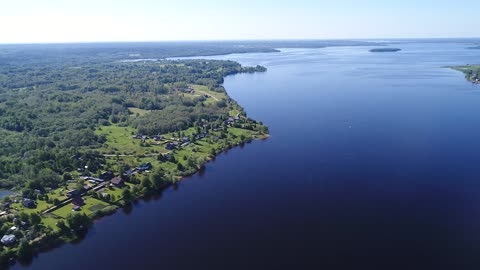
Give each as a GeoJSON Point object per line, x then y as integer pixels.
{"type": "Point", "coordinates": [49, 21]}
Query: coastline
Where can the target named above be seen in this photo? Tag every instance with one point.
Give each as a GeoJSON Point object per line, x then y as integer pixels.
{"type": "Point", "coordinates": [57, 238]}
{"type": "Point", "coordinates": [471, 72]}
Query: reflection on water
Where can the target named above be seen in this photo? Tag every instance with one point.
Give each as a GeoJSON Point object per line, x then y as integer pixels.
{"type": "Point", "coordinates": [372, 163]}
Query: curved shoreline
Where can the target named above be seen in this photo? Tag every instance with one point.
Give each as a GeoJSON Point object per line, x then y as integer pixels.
{"type": "Point", "coordinates": [57, 238]}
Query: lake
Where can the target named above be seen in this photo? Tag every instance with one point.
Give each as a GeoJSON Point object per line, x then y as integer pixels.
{"type": "Point", "coordinates": [4, 193]}
{"type": "Point", "coordinates": [373, 163]}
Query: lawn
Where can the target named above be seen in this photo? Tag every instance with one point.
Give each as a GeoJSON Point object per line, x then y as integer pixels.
{"type": "Point", "coordinates": [50, 221]}
{"type": "Point", "coordinates": [91, 204]}
{"type": "Point", "coordinates": [120, 141]}
{"type": "Point", "coordinates": [202, 89]}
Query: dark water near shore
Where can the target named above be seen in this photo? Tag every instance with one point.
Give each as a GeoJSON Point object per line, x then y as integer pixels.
{"type": "Point", "coordinates": [373, 163]}
{"type": "Point", "coordinates": [4, 193]}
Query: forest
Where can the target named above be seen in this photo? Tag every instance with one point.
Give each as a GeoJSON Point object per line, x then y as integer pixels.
{"type": "Point", "coordinates": [85, 132]}
{"type": "Point", "coordinates": [50, 108]}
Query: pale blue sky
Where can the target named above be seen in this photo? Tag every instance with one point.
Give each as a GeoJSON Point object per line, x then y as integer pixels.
{"type": "Point", "coordinates": [157, 20]}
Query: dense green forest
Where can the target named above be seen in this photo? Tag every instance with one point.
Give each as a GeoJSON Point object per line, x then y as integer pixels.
{"type": "Point", "coordinates": [85, 131]}
{"type": "Point", "coordinates": [49, 113]}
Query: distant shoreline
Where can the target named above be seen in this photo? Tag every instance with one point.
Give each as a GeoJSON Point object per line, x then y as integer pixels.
{"type": "Point", "coordinates": [472, 72]}
{"type": "Point", "coordinates": [379, 50]}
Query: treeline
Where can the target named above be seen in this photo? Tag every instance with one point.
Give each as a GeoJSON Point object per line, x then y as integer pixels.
{"type": "Point", "coordinates": [49, 111]}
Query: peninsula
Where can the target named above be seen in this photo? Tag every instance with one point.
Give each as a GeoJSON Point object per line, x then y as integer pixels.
{"type": "Point", "coordinates": [472, 72]}
{"type": "Point", "coordinates": [84, 136]}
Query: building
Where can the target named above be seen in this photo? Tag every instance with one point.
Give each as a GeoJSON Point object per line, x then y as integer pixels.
{"type": "Point", "coordinates": [28, 203]}
{"type": "Point", "coordinates": [8, 239]}
{"type": "Point", "coordinates": [171, 146]}
{"type": "Point", "coordinates": [73, 193]}
{"type": "Point", "coordinates": [145, 167]}
{"type": "Point", "coordinates": [78, 201]}
{"type": "Point", "coordinates": [118, 182]}
{"type": "Point", "coordinates": [107, 175]}
{"type": "Point", "coordinates": [93, 180]}
{"type": "Point", "coordinates": [130, 172]}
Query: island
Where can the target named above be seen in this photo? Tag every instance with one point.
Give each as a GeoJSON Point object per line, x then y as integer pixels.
{"type": "Point", "coordinates": [472, 72]}
{"type": "Point", "coordinates": [84, 135]}
{"type": "Point", "coordinates": [380, 50]}
{"type": "Point", "coordinates": [476, 47]}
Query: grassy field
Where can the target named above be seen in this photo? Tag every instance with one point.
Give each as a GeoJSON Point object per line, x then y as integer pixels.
{"type": "Point", "coordinates": [91, 204]}
{"type": "Point", "coordinates": [215, 96]}
{"type": "Point", "coordinates": [137, 111]}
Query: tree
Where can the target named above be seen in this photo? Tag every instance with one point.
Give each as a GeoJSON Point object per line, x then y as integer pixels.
{"type": "Point", "coordinates": [56, 201]}
{"type": "Point", "coordinates": [126, 194]}
{"type": "Point", "coordinates": [146, 183]}
{"type": "Point", "coordinates": [157, 179]}
{"type": "Point", "coordinates": [25, 251]}
{"type": "Point", "coordinates": [180, 167]}
{"type": "Point", "coordinates": [35, 219]}
{"type": "Point", "coordinates": [78, 222]}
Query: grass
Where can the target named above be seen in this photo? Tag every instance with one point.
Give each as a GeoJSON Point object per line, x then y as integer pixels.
{"type": "Point", "coordinates": [90, 203]}
{"type": "Point", "coordinates": [138, 111]}
{"type": "Point", "coordinates": [202, 89]}
{"type": "Point", "coordinates": [41, 206]}
{"type": "Point", "coordinates": [119, 141]}
{"type": "Point", "coordinates": [116, 192]}
{"type": "Point", "coordinates": [50, 221]}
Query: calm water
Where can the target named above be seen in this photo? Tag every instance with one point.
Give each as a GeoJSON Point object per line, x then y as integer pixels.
{"type": "Point", "coordinates": [373, 163]}
{"type": "Point", "coordinates": [4, 193]}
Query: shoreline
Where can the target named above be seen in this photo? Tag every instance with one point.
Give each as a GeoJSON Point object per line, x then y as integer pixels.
{"type": "Point", "coordinates": [55, 238]}
{"type": "Point", "coordinates": [45, 247]}
{"type": "Point", "coordinates": [471, 72]}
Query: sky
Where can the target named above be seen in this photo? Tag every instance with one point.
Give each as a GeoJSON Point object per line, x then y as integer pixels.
{"type": "Point", "coordinates": [52, 21]}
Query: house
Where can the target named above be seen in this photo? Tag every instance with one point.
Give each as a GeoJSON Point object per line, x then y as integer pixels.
{"type": "Point", "coordinates": [107, 175]}
{"type": "Point", "coordinates": [130, 172]}
{"type": "Point", "coordinates": [106, 196]}
{"type": "Point", "coordinates": [157, 137]}
{"type": "Point", "coordinates": [202, 135]}
{"type": "Point", "coordinates": [78, 201]}
{"type": "Point", "coordinates": [185, 140]}
{"type": "Point", "coordinates": [8, 239]}
{"type": "Point", "coordinates": [73, 193]}
{"type": "Point", "coordinates": [145, 167]}
{"type": "Point", "coordinates": [76, 208]}
{"type": "Point", "coordinates": [6, 205]}
{"type": "Point", "coordinates": [28, 203]}
{"type": "Point", "coordinates": [118, 182]}
{"type": "Point", "coordinates": [87, 187]}
{"type": "Point", "coordinates": [94, 180]}
{"type": "Point", "coordinates": [171, 146]}
{"type": "Point", "coordinates": [166, 157]}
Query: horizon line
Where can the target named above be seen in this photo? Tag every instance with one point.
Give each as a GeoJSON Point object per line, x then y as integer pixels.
{"type": "Point", "coordinates": [235, 40]}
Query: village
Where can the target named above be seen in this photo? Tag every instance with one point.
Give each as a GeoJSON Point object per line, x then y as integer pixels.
{"type": "Point", "coordinates": [92, 194]}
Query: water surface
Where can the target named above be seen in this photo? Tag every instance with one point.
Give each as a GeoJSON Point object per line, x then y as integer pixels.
{"type": "Point", "coordinates": [373, 163]}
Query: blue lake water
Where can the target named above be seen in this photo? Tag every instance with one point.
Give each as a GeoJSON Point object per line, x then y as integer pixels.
{"type": "Point", "coordinates": [373, 163]}
{"type": "Point", "coordinates": [4, 193]}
